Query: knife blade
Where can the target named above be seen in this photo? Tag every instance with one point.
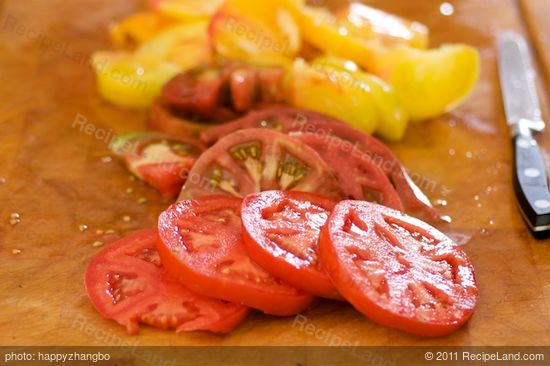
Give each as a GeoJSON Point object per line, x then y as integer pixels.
{"type": "Point", "coordinates": [523, 115]}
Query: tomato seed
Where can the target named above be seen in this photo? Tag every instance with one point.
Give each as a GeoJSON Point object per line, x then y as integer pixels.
{"type": "Point", "coordinates": [97, 244]}
{"type": "Point", "coordinates": [15, 218]}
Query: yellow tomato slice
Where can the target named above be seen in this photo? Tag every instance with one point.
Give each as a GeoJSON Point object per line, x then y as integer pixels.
{"type": "Point", "coordinates": [391, 113]}
{"type": "Point", "coordinates": [185, 45]}
{"type": "Point", "coordinates": [321, 29]}
{"type": "Point", "coordinates": [186, 9]}
{"type": "Point", "coordinates": [138, 28]}
{"type": "Point", "coordinates": [135, 79]}
{"type": "Point", "coordinates": [431, 82]}
{"type": "Point", "coordinates": [428, 82]}
{"type": "Point", "coordinates": [333, 92]}
{"type": "Point", "coordinates": [260, 32]}
{"type": "Point", "coordinates": [125, 81]}
{"type": "Point", "coordinates": [365, 22]}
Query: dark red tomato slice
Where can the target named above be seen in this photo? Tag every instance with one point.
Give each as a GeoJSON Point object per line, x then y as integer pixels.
{"type": "Point", "coordinates": [242, 86]}
{"type": "Point", "coordinates": [287, 119]}
{"type": "Point", "coordinates": [157, 159]}
{"type": "Point", "coordinates": [199, 93]}
{"type": "Point", "coordinates": [281, 231]}
{"type": "Point", "coordinates": [163, 119]}
{"type": "Point", "coordinates": [256, 160]}
{"type": "Point", "coordinates": [127, 283]}
{"type": "Point", "coordinates": [359, 176]}
{"type": "Point", "coordinates": [205, 95]}
{"type": "Point", "coordinates": [278, 117]}
{"type": "Point", "coordinates": [201, 245]}
{"type": "Point", "coordinates": [397, 270]}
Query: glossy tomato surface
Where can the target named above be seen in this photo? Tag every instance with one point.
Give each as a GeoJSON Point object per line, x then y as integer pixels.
{"type": "Point", "coordinates": [280, 118]}
{"type": "Point", "coordinates": [397, 270]}
{"type": "Point", "coordinates": [160, 160]}
{"type": "Point", "coordinates": [359, 175]}
{"type": "Point", "coordinates": [163, 119]}
{"type": "Point", "coordinates": [288, 120]}
{"type": "Point", "coordinates": [126, 282]}
{"type": "Point", "coordinates": [255, 160]}
{"type": "Point", "coordinates": [281, 231]}
{"type": "Point", "coordinates": [201, 245]}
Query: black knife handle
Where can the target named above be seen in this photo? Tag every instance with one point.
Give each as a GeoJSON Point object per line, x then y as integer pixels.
{"type": "Point", "coordinates": [531, 182]}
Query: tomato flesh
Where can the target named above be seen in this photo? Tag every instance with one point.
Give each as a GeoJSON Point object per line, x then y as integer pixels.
{"type": "Point", "coordinates": [289, 120]}
{"type": "Point", "coordinates": [159, 160]}
{"type": "Point", "coordinates": [397, 270]}
{"type": "Point", "coordinates": [126, 282]}
{"type": "Point", "coordinates": [281, 231]}
{"type": "Point", "coordinates": [201, 245]}
{"type": "Point", "coordinates": [255, 160]}
{"type": "Point", "coordinates": [359, 176]}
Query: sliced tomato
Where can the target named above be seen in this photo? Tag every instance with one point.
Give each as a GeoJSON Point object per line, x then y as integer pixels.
{"type": "Point", "coordinates": [359, 176]}
{"type": "Point", "coordinates": [163, 119]}
{"type": "Point", "coordinates": [256, 160]}
{"type": "Point", "coordinates": [199, 93]}
{"type": "Point", "coordinates": [127, 283]}
{"type": "Point", "coordinates": [185, 9]}
{"type": "Point", "coordinates": [397, 270]}
{"type": "Point", "coordinates": [365, 22]}
{"type": "Point", "coordinates": [201, 245]}
{"type": "Point", "coordinates": [262, 33]}
{"type": "Point", "coordinates": [286, 120]}
{"type": "Point", "coordinates": [222, 93]}
{"type": "Point", "coordinates": [281, 231]}
{"type": "Point", "coordinates": [159, 160]}
{"type": "Point", "coordinates": [277, 117]}
{"type": "Point", "coordinates": [138, 28]}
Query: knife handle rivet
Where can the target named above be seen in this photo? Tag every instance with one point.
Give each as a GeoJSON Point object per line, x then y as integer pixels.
{"type": "Point", "coordinates": [531, 172]}
{"type": "Point", "coordinates": [542, 204]}
{"type": "Point", "coordinates": [524, 143]}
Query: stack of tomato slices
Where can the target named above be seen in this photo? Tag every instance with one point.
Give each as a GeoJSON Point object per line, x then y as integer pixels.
{"type": "Point", "coordinates": [274, 147]}
{"type": "Point", "coordinates": [285, 206]}
{"type": "Point", "coordinates": [274, 251]}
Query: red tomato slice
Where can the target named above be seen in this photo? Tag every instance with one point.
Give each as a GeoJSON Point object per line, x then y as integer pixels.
{"type": "Point", "coordinates": [397, 270]}
{"type": "Point", "coordinates": [256, 160]}
{"type": "Point", "coordinates": [201, 245]}
{"type": "Point", "coordinates": [287, 119]}
{"type": "Point", "coordinates": [127, 283]}
{"type": "Point", "coordinates": [359, 176]}
{"type": "Point", "coordinates": [157, 159]}
{"type": "Point", "coordinates": [281, 231]}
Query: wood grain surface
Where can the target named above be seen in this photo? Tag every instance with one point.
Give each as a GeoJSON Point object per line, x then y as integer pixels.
{"type": "Point", "coordinates": [58, 177]}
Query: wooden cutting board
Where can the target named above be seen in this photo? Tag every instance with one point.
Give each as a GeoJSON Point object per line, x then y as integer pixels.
{"type": "Point", "coordinates": [58, 178]}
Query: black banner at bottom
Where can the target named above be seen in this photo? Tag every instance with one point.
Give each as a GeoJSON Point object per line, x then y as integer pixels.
{"type": "Point", "coordinates": [274, 356]}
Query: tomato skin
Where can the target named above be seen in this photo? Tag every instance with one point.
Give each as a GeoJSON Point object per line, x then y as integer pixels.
{"type": "Point", "coordinates": [277, 117]}
{"type": "Point", "coordinates": [166, 178]}
{"type": "Point", "coordinates": [158, 159]}
{"type": "Point", "coordinates": [285, 264]}
{"type": "Point", "coordinates": [162, 119]}
{"type": "Point", "coordinates": [202, 273]}
{"type": "Point", "coordinates": [357, 174]}
{"type": "Point", "coordinates": [293, 120]}
{"type": "Point", "coordinates": [338, 253]}
{"type": "Point", "coordinates": [254, 160]}
{"type": "Point", "coordinates": [151, 296]}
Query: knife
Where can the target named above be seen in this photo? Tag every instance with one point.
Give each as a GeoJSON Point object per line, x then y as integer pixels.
{"type": "Point", "coordinates": [523, 115]}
